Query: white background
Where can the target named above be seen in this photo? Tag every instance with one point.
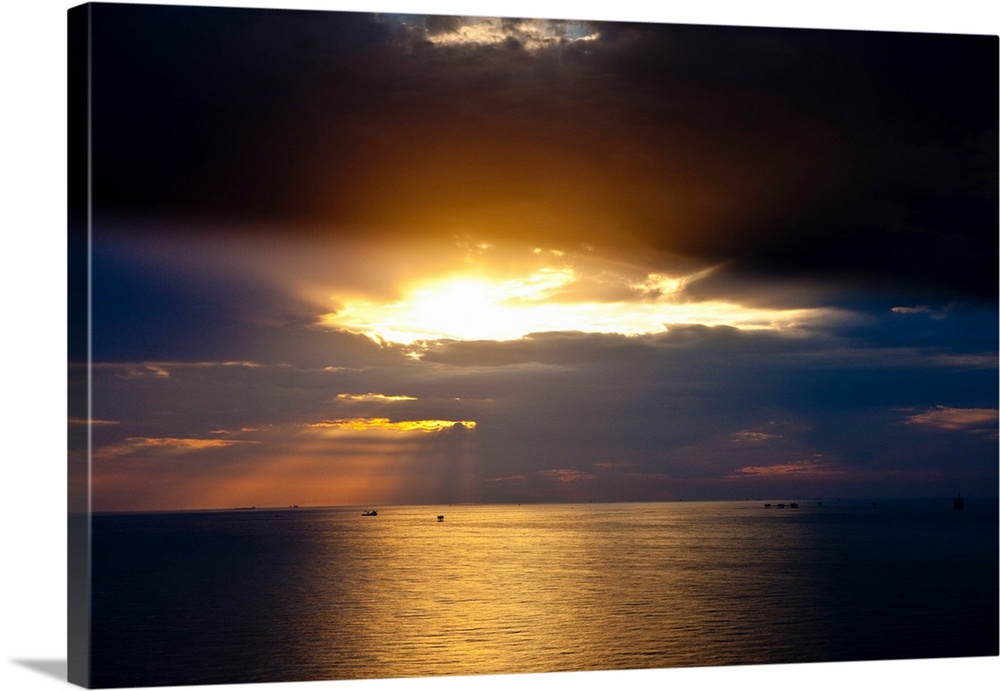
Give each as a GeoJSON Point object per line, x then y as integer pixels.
{"type": "Point", "coordinates": [33, 335]}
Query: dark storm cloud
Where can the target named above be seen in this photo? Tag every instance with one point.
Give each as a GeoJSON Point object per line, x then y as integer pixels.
{"type": "Point", "coordinates": [215, 111]}
{"type": "Point", "coordinates": [851, 156]}
{"type": "Point", "coordinates": [877, 152]}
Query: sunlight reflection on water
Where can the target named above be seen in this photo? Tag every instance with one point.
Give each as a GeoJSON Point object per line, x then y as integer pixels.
{"type": "Point", "coordinates": [328, 594]}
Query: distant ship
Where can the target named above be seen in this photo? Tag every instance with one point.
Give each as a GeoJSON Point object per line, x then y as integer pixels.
{"type": "Point", "coordinates": [958, 503]}
{"type": "Point", "coordinates": [373, 512]}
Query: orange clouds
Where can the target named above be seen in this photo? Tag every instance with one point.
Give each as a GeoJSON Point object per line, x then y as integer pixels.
{"type": "Point", "coordinates": [566, 475]}
{"type": "Point", "coordinates": [164, 446]}
{"type": "Point", "coordinates": [816, 467]}
{"type": "Point", "coordinates": [957, 419]}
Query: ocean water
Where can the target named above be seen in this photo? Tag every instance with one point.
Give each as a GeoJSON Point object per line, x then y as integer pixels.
{"type": "Point", "coordinates": [326, 593]}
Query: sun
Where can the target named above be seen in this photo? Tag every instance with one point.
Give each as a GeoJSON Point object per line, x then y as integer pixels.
{"type": "Point", "coordinates": [556, 293]}
{"type": "Point", "coordinates": [461, 307]}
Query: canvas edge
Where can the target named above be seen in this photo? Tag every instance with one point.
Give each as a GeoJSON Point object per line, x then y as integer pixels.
{"type": "Point", "coordinates": [78, 345]}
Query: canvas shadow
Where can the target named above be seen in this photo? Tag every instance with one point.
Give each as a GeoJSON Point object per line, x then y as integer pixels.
{"type": "Point", "coordinates": [52, 668]}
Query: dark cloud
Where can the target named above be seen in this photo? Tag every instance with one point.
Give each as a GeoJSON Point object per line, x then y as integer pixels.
{"type": "Point", "coordinates": [850, 155]}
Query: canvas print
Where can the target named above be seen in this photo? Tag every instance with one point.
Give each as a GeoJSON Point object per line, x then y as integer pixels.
{"type": "Point", "coordinates": [411, 345]}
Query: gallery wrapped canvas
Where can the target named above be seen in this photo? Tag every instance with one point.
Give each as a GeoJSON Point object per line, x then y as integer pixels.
{"type": "Point", "coordinates": [421, 346]}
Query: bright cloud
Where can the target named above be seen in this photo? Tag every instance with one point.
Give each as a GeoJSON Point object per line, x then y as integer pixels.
{"type": "Point", "coordinates": [530, 34]}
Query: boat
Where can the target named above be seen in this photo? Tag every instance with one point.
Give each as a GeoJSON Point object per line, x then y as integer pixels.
{"type": "Point", "coordinates": [958, 503]}
{"type": "Point", "coordinates": [373, 512]}
{"type": "Point", "coordinates": [440, 518]}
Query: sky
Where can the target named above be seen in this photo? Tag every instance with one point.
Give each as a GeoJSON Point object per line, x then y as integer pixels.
{"type": "Point", "coordinates": [365, 259]}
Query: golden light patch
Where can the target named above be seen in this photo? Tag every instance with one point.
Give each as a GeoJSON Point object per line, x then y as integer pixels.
{"type": "Point", "coordinates": [365, 424]}
{"type": "Point", "coordinates": [373, 398]}
{"type": "Point", "coordinates": [178, 443]}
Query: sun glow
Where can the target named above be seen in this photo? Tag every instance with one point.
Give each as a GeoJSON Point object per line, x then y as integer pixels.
{"type": "Point", "coordinates": [476, 306]}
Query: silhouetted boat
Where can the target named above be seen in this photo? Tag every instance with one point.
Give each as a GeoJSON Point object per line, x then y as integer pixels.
{"type": "Point", "coordinates": [373, 512]}
{"type": "Point", "coordinates": [958, 503]}
{"type": "Point", "coordinates": [440, 518]}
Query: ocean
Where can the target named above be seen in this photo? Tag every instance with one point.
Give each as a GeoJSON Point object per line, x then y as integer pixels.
{"type": "Point", "coordinates": [268, 595]}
